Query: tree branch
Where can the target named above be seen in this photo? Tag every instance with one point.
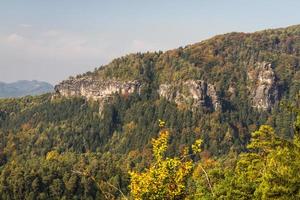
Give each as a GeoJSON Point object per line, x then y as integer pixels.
{"type": "Point", "coordinates": [99, 186]}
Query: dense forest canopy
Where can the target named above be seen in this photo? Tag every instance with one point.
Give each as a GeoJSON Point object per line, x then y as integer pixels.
{"type": "Point", "coordinates": [57, 147]}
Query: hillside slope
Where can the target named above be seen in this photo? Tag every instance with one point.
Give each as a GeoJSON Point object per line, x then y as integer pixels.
{"type": "Point", "coordinates": [102, 122]}
{"type": "Point", "coordinates": [259, 68]}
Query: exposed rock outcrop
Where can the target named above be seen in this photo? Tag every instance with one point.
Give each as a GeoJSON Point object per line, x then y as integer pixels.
{"type": "Point", "coordinates": [97, 90]}
{"type": "Point", "coordinates": [192, 93]}
{"type": "Point", "coordinates": [196, 93]}
{"type": "Point", "coordinates": [263, 87]}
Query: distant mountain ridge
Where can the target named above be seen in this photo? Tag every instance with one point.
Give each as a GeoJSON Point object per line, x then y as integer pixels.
{"type": "Point", "coordinates": [24, 88]}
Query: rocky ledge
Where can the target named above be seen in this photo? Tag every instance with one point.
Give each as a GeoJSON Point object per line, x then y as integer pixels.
{"type": "Point", "coordinates": [263, 86]}
{"type": "Point", "coordinates": [94, 89]}
{"type": "Point", "coordinates": [195, 93]}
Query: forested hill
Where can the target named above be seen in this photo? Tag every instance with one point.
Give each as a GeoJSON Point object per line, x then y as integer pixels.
{"type": "Point", "coordinates": [99, 125]}
{"type": "Point", "coordinates": [255, 68]}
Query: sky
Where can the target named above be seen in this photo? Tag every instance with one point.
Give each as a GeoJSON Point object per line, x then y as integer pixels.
{"type": "Point", "coordinates": [50, 40]}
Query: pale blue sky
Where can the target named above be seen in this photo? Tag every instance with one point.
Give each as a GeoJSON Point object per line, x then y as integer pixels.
{"type": "Point", "coordinates": [52, 39]}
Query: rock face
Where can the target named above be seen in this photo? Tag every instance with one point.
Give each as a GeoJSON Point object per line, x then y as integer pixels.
{"type": "Point", "coordinates": [191, 93]}
{"type": "Point", "coordinates": [97, 90]}
{"type": "Point", "coordinates": [196, 93]}
{"type": "Point", "coordinates": [263, 88]}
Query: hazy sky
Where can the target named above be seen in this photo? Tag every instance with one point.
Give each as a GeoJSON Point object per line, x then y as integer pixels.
{"type": "Point", "coordinates": [52, 39]}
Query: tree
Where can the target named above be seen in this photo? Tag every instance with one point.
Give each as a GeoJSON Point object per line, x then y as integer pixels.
{"type": "Point", "coordinates": [270, 170]}
{"type": "Point", "coordinates": [167, 177]}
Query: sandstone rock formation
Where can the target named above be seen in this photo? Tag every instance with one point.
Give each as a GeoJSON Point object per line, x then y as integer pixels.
{"type": "Point", "coordinates": [95, 89]}
{"type": "Point", "coordinates": [196, 93]}
{"type": "Point", "coordinates": [192, 93]}
{"type": "Point", "coordinates": [263, 87]}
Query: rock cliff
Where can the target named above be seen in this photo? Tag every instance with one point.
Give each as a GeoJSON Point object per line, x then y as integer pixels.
{"type": "Point", "coordinates": [196, 93]}
{"type": "Point", "coordinates": [263, 87]}
{"type": "Point", "coordinates": [96, 89]}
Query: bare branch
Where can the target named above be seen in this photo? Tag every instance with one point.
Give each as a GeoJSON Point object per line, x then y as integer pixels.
{"type": "Point", "coordinates": [99, 186]}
